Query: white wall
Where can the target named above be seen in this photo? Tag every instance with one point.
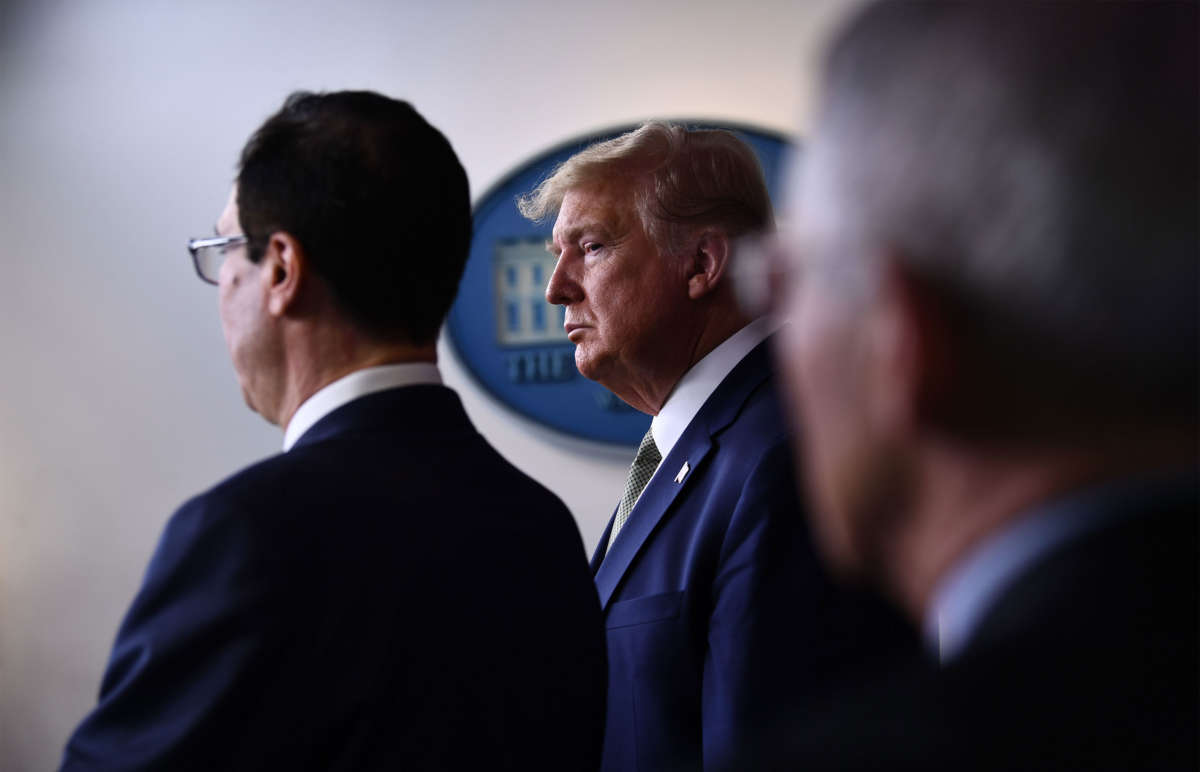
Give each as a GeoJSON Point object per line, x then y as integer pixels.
{"type": "Point", "coordinates": [120, 123]}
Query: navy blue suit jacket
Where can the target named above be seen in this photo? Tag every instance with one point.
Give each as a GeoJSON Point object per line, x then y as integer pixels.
{"type": "Point", "coordinates": [1086, 661]}
{"type": "Point", "coordinates": [720, 620]}
{"type": "Point", "coordinates": [390, 594]}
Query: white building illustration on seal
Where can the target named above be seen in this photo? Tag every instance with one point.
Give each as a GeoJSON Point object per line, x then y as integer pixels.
{"type": "Point", "coordinates": [523, 317]}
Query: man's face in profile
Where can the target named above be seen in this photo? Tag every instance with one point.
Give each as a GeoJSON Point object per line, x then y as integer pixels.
{"type": "Point", "coordinates": [620, 293]}
{"type": "Point", "coordinates": [241, 306]}
{"type": "Point", "coordinates": [826, 354]}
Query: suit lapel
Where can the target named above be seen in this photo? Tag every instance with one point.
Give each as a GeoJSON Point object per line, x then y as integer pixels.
{"type": "Point", "coordinates": [598, 553]}
{"type": "Point", "coordinates": [655, 501]}
{"type": "Point", "coordinates": [718, 411]}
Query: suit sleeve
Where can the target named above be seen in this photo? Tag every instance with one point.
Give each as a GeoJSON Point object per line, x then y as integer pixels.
{"type": "Point", "coordinates": [779, 629]}
{"type": "Point", "coordinates": [188, 641]}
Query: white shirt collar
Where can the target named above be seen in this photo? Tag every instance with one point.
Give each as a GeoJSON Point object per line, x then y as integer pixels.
{"type": "Point", "coordinates": [964, 595]}
{"type": "Point", "coordinates": [350, 387]}
{"type": "Point", "coordinates": [698, 383]}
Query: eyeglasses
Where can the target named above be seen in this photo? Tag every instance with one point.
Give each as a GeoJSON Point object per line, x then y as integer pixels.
{"type": "Point", "coordinates": [209, 253]}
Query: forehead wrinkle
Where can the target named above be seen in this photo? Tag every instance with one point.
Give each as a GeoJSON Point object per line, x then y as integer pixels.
{"type": "Point", "coordinates": [611, 224]}
{"type": "Point", "coordinates": [574, 232]}
{"type": "Point", "coordinates": [610, 208]}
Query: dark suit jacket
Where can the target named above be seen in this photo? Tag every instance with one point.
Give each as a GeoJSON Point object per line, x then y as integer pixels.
{"type": "Point", "coordinates": [390, 594]}
{"type": "Point", "coordinates": [1087, 662]}
{"type": "Point", "coordinates": [719, 617]}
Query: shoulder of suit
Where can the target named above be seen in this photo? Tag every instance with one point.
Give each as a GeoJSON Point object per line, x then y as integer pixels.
{"type": "Point", "coordinates": [242, 498]}
{"type": "Point", "coordinates": [761, 416]}
{"type": "Point", "coordinates": [278, 486]}
{"type": "Point", "coordinates": [251, 479]}
{"type": "Point", "coordinates": [756, 447]}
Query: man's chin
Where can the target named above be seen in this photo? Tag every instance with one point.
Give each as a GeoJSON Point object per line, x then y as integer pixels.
{"type": "Point", "coordinates": [587, 365]}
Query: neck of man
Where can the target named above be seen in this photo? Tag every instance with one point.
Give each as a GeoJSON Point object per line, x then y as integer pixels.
{"type": "Point", "coordinates": [714, 329]}
{"type": "Point", "coordinates": [653, 393]}
{"type": "Point", "coordinates": [963, 496]}
{"type": "Point", "coordinates": [320, 354]}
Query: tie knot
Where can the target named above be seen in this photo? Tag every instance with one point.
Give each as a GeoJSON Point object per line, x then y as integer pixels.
{"type": "Point", "coordinates": [647, 451]}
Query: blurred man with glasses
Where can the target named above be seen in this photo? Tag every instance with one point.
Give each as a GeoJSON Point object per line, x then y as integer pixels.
{"type": "Point", "coordinates": [388, 592]}
{"type": "Point", "coordinates": [992, 359]}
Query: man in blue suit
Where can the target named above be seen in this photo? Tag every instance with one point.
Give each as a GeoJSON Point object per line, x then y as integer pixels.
{"type": "Point", "coordinates": [719, 620]}
{"type": "Point", "coordinates": [387, 593]}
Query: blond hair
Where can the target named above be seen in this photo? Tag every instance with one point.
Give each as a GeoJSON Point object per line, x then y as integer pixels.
{"type": "Point", "coordinates": [681, 180]}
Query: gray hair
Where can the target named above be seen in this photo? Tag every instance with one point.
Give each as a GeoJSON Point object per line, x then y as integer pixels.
{"type": "Point", "coordinates": [1037, 162]}
{"type": "Point", "coordinates": [681, 179]}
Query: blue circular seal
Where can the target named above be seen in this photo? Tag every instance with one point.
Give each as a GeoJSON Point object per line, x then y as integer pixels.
{"type": "Point", "coordinates": [511, 340]}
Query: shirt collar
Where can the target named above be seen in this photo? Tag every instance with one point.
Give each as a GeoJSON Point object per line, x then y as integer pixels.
{"type": "Point", "coordinates": [350, 387]}
{"type": "Point", "coordinates": [965, 594]}
{"type": "Point", "coordinates": [699, 382]}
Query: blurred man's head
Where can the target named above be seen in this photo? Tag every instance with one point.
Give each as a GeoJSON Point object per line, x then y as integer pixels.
{"type": "Point", "coordinates": [998, 245]}
{"type": "Point", "coordinates": [357, 218]}
{"type": "Point", "coordinates": [643, 238]}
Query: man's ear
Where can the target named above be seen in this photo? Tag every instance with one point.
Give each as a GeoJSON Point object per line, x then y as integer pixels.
{"type": "Point", "coordinates": [284, 269]}
{"type": "Point", "coordinates": [710, 261]}
{"type": "Point", "coordinates": [912, 339]}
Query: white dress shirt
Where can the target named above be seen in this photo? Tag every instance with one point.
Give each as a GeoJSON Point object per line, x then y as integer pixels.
{"type": "Point", "coordinates": [350, 387]}
{"type": "Point", "coordinates": [698, 384]}
{"type": "Point", "coordinates": [967, 592]}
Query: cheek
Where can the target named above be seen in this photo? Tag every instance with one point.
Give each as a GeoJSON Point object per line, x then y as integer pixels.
{"type": "Point", "coordinates": [225, 313]}
{"type": "Point", "coordinates": [615, 308]}
{"type": "Point", "coordinates": [820, 372]}
{"type": "Point", "coordinates": [819, 341]}
{"type": "Point", "coordinates": [238, 318]}
{"type": "Point", "coordinates": [228, 311]}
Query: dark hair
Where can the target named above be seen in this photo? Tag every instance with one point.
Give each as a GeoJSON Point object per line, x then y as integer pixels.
{"type": "Point", "coordinates": [374, 194]}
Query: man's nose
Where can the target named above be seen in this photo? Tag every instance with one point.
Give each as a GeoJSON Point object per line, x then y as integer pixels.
{"type": "Point", "coordinates": [563, 289]}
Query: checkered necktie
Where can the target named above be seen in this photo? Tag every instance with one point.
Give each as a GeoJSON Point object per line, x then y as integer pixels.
{"type": "Point", "coordinates": [644, 464]}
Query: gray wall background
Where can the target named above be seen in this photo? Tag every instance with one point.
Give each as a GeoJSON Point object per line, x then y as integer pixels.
{"type": "Point", "coordinates": [120, 123]}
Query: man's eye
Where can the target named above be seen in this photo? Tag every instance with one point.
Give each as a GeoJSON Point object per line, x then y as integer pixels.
{"type": "Point", "coordinates": [592, 246]}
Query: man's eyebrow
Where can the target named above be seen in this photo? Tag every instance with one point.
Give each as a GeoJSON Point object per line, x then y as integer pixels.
{"type": "Point", "coordinates": [594, 226]}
